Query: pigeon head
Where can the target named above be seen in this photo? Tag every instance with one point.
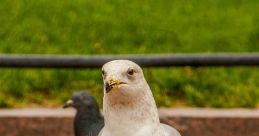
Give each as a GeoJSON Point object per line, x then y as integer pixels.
{"type": "Point", "coordinates": [88, 120]}
{"type": "Point", "coordinates": [81, 100]}
{"type": "Point", "coordinates": [123, 78]}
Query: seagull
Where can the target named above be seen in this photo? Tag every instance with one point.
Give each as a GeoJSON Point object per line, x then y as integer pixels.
{"type": "Point", "coordinates": [129, 107]}
{"type": "Point", "coordinates": [88, 120]}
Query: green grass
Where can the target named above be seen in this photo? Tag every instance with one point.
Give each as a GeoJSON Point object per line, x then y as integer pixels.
{"type": "Point", "coordinates": [134, 27]}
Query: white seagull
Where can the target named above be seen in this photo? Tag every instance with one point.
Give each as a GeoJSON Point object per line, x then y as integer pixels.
{"type": "Point", "coordinates": [128, 105]}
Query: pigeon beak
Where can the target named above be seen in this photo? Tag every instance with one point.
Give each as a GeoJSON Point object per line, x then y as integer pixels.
{"type": "Point", "coordinates": [110, 84]}
{"type": "Point", "coordinates": [69, 103]}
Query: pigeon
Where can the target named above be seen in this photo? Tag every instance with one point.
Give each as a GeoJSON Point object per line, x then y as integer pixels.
{"type": "Point", "coordinates": [88, 119]}
{"type": "Point", "coordinates": [129, 108]}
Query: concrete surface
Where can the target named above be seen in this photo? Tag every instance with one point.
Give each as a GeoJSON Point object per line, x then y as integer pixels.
{"type": "Point", "coordinates": [189, 121]}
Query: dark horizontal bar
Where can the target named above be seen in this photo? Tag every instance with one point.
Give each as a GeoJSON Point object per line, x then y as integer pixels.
{"type": "Point", "coordinates": [62, 61]}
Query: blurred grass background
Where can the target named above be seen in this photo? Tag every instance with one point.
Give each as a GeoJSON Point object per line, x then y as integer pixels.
{"type": "Point", "coordinates": [130, 27]}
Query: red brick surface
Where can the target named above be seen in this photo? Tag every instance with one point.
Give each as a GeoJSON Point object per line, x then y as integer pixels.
{"type": "Point", "coordinates": [36, 126]}
{"type": "Point", "coordinates": [36, 122]}
{"type": "Point", "coordinates": [190, 122]}
{"type": "Point", "coordinates": [213, 122]}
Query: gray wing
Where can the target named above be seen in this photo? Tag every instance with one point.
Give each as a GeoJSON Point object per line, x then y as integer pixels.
{"type": "Point", "coordinates": [169, 131]}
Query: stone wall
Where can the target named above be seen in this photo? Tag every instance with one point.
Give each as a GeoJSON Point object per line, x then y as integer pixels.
{"type": "Point", "coordinates": [190, 122]}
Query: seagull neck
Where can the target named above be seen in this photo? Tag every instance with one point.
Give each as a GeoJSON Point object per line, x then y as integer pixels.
{"type": "Point", "coordinates": [139, 110]}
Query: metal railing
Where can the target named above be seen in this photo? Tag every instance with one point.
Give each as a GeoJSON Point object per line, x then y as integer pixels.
{"type": "Point", "coordinates": [168, 60]}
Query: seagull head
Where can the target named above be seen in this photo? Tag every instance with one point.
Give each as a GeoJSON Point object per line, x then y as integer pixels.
{"type": "Point", "coordinates": [127, 97]}
{"type": "Point", "coordinates": [122, 76]}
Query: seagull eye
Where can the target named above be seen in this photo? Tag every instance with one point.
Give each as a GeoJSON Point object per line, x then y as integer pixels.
{"type": "Point", "coordinates": [103, 73]}
{"type": "Point", "coordinates": [130, 71]}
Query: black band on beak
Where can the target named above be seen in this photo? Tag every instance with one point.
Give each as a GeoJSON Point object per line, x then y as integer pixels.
{"type": "Point", "coordinates": [108, 87]}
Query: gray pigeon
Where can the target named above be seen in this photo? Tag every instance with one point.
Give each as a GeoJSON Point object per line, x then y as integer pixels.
{"type": "Point", "coordinates": [88, 120]}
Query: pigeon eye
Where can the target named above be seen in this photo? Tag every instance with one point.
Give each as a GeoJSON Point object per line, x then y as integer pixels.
{"type": "Point", "coordinates": [130, 71]}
